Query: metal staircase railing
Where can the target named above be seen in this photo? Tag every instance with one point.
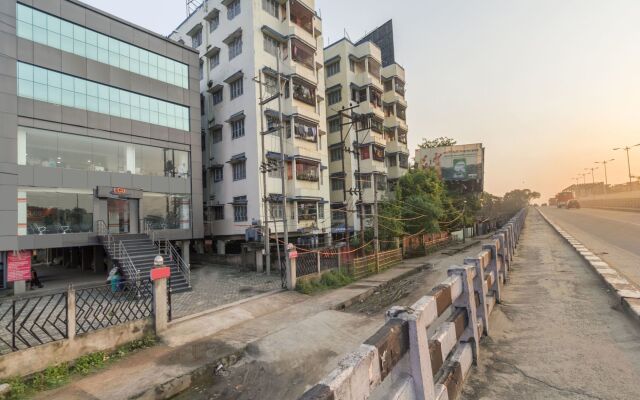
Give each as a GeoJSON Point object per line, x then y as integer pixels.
{"type": "Point", "coordinates": [117, 250]}
{"type": "Point", "coordinates": [168, 250]}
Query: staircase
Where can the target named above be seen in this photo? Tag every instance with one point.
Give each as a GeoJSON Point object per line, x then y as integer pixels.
{"type": "Point", "coordinates": [136, 252]}
{"type": "Point", "coordinates": [142, 251]}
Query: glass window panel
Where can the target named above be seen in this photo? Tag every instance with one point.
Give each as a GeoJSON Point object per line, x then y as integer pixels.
{"type": "Point", "coordinates": [152, 161]}
{"type": "Point", "coordinates": [66, 29]}
{"type": "Point", "coordinates": [181, 159]}
{"type": "Point", "coordinates": [40, 75]}
{"type": "Point", "coordinates": [67, 82]}
{"type": "Point", "coordinates": [39, 35]}
{"type": "Point", "coordinates": [54, 79]}
{"type": "Point", "coordinates": [68, 98]}
{"type": "Point", "coordinates": [53, 24]}
{"type": "Point", "coordinates": [105, 155]}
{"type": "Point", "coordinates": [54, 95]}
{"type": "Point", "coordinates": [40, 92]}
{"type": "Point", "coordinates": [80, 101]}
{"type": "Point", "coordinates": [155, 208]}
{"type": "Point", "coordinates": [79, 48]}
{"type": "Point", "coordinates": [103, 55]}
{"type": "Point", "coordinates": [42, 212]}
{"type": "Point", "coordinates": [25, 88]}
{"type": "Point", "coordinates": [25, 71]}
{"type": "Point", "coordinates": [91, 38]}
{"type": "Point", "coordinates": [54, 40]}
{"type": "Point", "coordinates": [42, 148]}
{"type": "Point", "coordinates": [24, 13]}
{"type": "Point", "coordinates": [39, 19]}
{"type": "Point", "coordinates": [92, 89]}
{"type": "Point", "coordinates": [79, 33]}
{"type": "Point", "coordinates": [75, 152]}
{"type": "Point", "coordinates": [103, 41]}
{"type": "Point", "coordinates": [66, 44]}
{"type": "Point", "coordinates": [92, 104]}
{"type": "Point", "coordinates": [92, 52]}
{"type": "Point", "coordinates": [25, 30]}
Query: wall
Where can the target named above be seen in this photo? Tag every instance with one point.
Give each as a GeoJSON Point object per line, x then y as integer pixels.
{"type": "Point", "coordinates": [37, 358]}
{"type": "Point", "coordinates": [620, 201]}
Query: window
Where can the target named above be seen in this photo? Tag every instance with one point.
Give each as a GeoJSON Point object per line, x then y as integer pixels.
{"type": "Point", "coordinates": [235, 47]}
{"type": "Point", "coordinates": [307, 211]}
{"type": "Point", "coordinates": [202, 104]}
{"type": "Point", "coordinates": [196, 39]}
{"type": "Point", "coordinates": [233, 9]}
{"type": "Point", "coordinates": [45, 148]}
{"type": "Point", "coordinates": [237, 128]}
{"type": "Point", "coordinates": [214, 22]}
{"type": "Point", "coordinates": [53, 87]}
{"type": "Point", "coordinates": [352, 66]}
{"type": "Point", "coordinates": [270, 85]}
{"type": "Point", "coordinates": [402, 137]}
{"type": "Point", "coordinates": [399, 87]}
{"type": "Point", "coordinates": [201, 70]}
{"type": "Point", "coordinates": [337, 183]}
{"type": "Point", "coordinates": [274, 169]}
{"type": "Point", "coordinates": [358, 95]}
{"type": "Point", "coordinates": [364, 181]}
{"type": "Point", "coordinates": [218, 174]}
{"type": "Point", "coordinates": [335, 96]}
{"type": "Point", "coordinates": [236, 88]}
{"type": "Point", "coordinates": [271, 7]}
{"type": "Point", "coordinates": [364, 153]}
{"type": "Point", "coordinates": [381, 182]}
{"type": "Point", "coordinates": [302, 54]}
{"type": "Point", "coordinates": [404, 160]}
{"type": "Point", "coordinates": [271, 45]}
{"type": "Point", "coordinates": [216, 135]}
{"type": "Point", "coordinates": [334, 125]}
{"type": "Point", "coordinates": [375, 97]}
{"type": "Point", "coordinates": [214, 60]}
{"type": "Point", "coordinates": [305, 131]}
{"type": "Point", "coordinates": [240, 208]}
{"type": "Point", "coordinates": [218, 213]}
{"type": "Point", "coordinates": [336, 154]}
{"type": "Point", "coordinates": [388, 85]}
{"type": "Point", "coordinates": [392, 161]}
{"type": "Point", "coordinates": [216, 97]}
{"type": "Point", "coordinates": [307, 171]}
{"type": "Point", "coordinates": [376, 125]}
{"type": "Point", "coordinates": [277, 211]}
{"type": "Point", "coordinates": [378, 153]}
{"type": "Point", "coordinates": [333, 68]}
{"type": "Point", "coordinates": [170, 211]}
{"type": "Point", "coordinates": [239, 170]}
{"type": "Point", "coordinates": [51, 31]}
{"type": "Point", "coordinates": [401, 112]}
{"type": "Point", "coordinates": [304, 92]}
{"type": "Point", "coordinates": [55, 211]}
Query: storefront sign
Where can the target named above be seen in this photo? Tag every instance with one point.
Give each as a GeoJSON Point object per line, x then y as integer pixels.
{"type": "Point", "coordinates": [119, 191]}
{"type": "Point", "coordinates": [19, 266]}
{"type": "Point", "coordinates": [110, 192]}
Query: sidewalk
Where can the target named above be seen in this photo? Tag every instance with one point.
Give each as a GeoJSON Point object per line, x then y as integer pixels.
{"type": "Point", "coordinates": [559, 334]}
{"type": "Point", "coordinates": [281, 326]}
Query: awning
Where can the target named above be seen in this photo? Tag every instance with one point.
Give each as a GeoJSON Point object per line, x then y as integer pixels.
{"type": "Point", "coordinates": [307, 198]}
{"type": "Point", "coordinates": [275, 197]}
{"type": "Point", "coordinates": [274, 34]}
{"type": "Point", "coordinates": [274, 155]}
{"type": "Point", "coordinates": [236, 117]}
{"type": "Point", "coordinates": [338, 86]}
{"type": "Point", "coordinates": [237, 158]}
{"type": "Point", "coordinates": [215, 88]}
{"type": "Point", "coordinates": [197, 27]}
{"type": "Point", "coordinates": [305, 158]}
{"type": "Point", "coordinates": [213, 50]}
{"type": "Point", "coordinates": [275, 114]}
{"type": "Point", "coordinates": [215, 127]}
{"type": "Point", "coordinates": [212, 14]}
{"type": "Point", "coordinates": [338, 175]}
{"type": "Point", "coordinates": [234, 77]}
{"type": "Point", "coordinates": [332, 60]}
{"type": "Point", "coordinates": [236, 34]}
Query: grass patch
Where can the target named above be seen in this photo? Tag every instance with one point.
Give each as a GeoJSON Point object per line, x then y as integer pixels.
{"type": "Point", "coordinates": [58, 375]}
{"type": "Point", "coordinates": [329, 280]}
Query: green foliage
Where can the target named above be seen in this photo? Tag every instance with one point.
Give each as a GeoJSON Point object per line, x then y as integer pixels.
{"type": "Point", "coordinates": [19, 388]}
{"type": "Point", "coordinates": [89, 363]}
{"type": "Point", "coordinates": [517, 199]}
{"type": "Point", "coordinates": [437, 142]}
{"type": "Point", "coordinates": [421, 198]}
{"type": "Point", "coordinates": [329, 280]}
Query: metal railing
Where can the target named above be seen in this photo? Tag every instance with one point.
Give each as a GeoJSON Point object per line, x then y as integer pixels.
{"type": "Point", "coordinates": [168, 250]}
{"type": "Point", "coordinates": [117, 250]}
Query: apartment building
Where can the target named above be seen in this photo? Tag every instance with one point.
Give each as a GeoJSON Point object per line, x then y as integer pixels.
{"type": "Point", "coordinates": [367, 158]}
{"type": "Point", "coordinates": [239, 42]}
{"type": "Point", "coordinates": [100, 123]}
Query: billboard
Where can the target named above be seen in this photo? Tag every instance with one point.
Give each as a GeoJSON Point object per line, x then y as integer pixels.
{"type": "Point", "coordinates": [458, 165]}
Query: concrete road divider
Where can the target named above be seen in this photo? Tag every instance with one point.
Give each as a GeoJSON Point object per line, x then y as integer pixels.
{"type": "Point", "coordinates": [401, 360]}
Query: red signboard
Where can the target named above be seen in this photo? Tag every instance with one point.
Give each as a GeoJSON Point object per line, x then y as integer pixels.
{"type": "Point", "coordinates": [19, 266]}
{"type": "Point", "coordinates": [293, 254]}
{"type": "Point", "coordinates": [160, 273]}
{"type": "Point", "coordinates": [119, 191]}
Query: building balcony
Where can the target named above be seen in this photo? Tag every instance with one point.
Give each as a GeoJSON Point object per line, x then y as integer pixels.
{"type": "Point", "coordinates": [372, 138]}
{"type": "Point", "coordinates": [395, 146]}
{"type": "Point", "coordinates": [366, 79]}
{"type": "Point", "coordinates": [392, 96]}
{"type": "Point", "coordinates": [370, 165]}
{"type": "Point", "coordinates": [393, 121]}
{"type": "Point", "coordinates": [395, 172]}
{"type": "Point", "coordinates": [394, 70]}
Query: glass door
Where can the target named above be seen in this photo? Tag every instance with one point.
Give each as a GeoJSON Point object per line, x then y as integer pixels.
{"type": "Point", "coordinates": [118, 211]}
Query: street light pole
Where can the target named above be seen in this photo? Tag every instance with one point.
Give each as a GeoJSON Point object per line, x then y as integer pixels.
{"type": "Point", "coordinates": [627, 148]}
{"type": "Point", "coordinates": [604, 164]}
{"type": "Point", "coordinates": [593, 179]}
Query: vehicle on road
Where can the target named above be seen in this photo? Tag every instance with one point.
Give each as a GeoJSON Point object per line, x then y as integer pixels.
{"type": "Point", "coordinates": [573, 204]}
{"type": "Point", "coordinates": [563, 198]}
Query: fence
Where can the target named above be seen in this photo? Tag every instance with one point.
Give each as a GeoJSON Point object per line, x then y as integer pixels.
{"type": "Point", "coordinates": [97, 307]}
{"type": "Point", "coordinates": [420, 245]}
{"type": "Point", "coordinates": [35, 320]}
{"type": "Point", "coordinates": [32, 321]}
{"type": "Point", "coordinates": [436, 365]}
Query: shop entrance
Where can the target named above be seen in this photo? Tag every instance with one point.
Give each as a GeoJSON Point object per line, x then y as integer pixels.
{"type": "Point", "coordinates": [118, 215]}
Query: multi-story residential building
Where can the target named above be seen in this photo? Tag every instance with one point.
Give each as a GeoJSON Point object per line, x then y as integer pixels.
{"type": "Point", "coordinates": [358, 80]}
{"type": "Point", "coordinates": [239, 43]}
{"type": "Point", "coordinates": [100, 126]}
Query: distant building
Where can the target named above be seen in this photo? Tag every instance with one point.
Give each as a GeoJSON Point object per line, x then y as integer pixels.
{"type": "Point", "coordinates": [460, 166]}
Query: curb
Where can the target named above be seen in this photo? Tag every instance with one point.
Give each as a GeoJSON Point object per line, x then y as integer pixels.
{"type": "Point", "coordinates": [625, 291]}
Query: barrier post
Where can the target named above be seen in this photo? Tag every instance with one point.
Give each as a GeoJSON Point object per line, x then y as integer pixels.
{"type": "Point", "coordinates": [480, 287]}
{"type": "Point", "coordinates": [494, 269]}
{"type": "Point", "coordinates": [159, 276]}
{"type": "Point", "coordinates": [467, 300]}
{"type": "Point", "coordinates": [71, 313]}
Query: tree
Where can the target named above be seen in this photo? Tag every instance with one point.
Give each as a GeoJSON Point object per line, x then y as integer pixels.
{"type": "Point", "coordinates": [421, 195]}
{"type": "Point", "coordinates": [517, 199]}
{"type": "Point", "coordinates": [437, 142]}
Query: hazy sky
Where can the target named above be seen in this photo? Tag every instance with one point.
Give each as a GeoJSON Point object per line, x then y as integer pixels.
{"type": "Point", "coordinates": [549, 86]}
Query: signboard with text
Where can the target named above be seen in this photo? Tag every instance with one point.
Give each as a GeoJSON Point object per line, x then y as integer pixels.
{"type": "Point", "coordinates": [19, 266]}
{"type": "Point", "coordinates": [458, 164]}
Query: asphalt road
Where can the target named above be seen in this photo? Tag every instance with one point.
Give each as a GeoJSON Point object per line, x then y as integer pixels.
{"type": "Point", "coordinates": [612, 235]}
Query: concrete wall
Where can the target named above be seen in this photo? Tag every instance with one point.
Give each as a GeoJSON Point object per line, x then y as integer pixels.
{"type": "Point", "coordinates": [620, 200]}
{"type": "Point", "coordinates": [37, 358]}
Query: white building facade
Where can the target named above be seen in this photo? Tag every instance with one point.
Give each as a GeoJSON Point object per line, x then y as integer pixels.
{"type": "Point", "coordinates": [239, 42]}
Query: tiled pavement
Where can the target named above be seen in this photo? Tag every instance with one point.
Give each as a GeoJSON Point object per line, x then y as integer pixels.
{"type": "Point", "coordinates": [214, 286]}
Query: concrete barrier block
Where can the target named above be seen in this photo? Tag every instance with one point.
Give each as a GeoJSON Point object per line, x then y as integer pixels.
{"type": "Point", "coordinates": [632, 306]}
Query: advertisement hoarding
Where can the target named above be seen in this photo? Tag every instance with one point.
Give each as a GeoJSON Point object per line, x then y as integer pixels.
{"type": "Point", "coordinates": [462, 164]}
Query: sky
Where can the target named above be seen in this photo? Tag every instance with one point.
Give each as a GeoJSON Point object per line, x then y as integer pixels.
{"type": "Point", "coordinates": [548, 86]}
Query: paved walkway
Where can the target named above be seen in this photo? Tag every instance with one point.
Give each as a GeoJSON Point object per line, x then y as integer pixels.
{"type": "Point", "coordinates": [558, 334]}
{"type": "Point", "coordinates": [288, 341]}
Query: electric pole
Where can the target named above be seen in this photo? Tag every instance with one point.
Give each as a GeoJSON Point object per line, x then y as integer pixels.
{"type": "Point", "coordinates": [264, 170]}
{"type": "Point", "coordinates": [628, 162]}
{"type": "Point", "coordinates": [604, 164]}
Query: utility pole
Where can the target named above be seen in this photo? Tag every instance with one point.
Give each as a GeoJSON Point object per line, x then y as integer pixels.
{"type": "Point", "coordinates": [264, 170]}
{"type": "Point", "coordinates": [291, 284]}
{"type": "Point", "coordinates": [344, 182]}
{"type": "Point", "coordinates": [360, 187]}
{"type": "Point", "coordinates": [627, 148]}
{"type": "Point", "coordinates": [604, 164]}
{"type": "Point", "coordinates": [376, 239]}
{"type": "Point", "coordinates": [593, 179]}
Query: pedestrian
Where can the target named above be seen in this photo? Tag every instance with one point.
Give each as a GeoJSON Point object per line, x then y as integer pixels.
{"type": "Point", "coordinates": [35, 281]}
{"type": "Point", "coordinates": [115, 276]}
